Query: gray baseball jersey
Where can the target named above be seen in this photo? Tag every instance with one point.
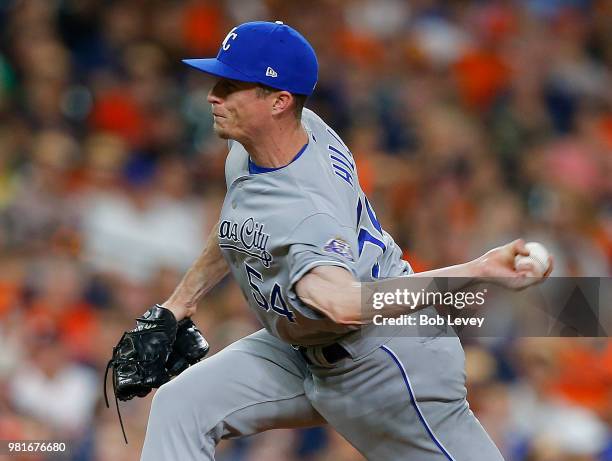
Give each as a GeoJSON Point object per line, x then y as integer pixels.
{"type": "Point", "coordinates": [278, 223]}
{"type": "Point", "coordinates": [395, 397]}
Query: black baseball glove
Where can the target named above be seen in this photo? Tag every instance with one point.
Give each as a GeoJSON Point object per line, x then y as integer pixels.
{"type": "Point", "coordinates": [156, 350]}
{"type": "Point", "coordinates": [139, 359]}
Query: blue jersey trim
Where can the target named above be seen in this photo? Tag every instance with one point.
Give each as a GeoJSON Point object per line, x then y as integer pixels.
{"type": "Point", "coordinates": [256, 169]}
{"type": "Point", "coordinates": [414, 403]}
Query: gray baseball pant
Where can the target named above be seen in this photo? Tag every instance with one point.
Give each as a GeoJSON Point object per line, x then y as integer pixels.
{"type": "Point", "coordinates": [404, 401]}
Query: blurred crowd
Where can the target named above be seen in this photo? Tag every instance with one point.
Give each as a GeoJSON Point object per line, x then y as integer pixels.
{"type": "Point", "coordinates": [471, 122]}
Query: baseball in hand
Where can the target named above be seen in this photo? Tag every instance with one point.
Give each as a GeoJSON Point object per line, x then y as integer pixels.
{"type": "Point", "coordinates": [537, 261]}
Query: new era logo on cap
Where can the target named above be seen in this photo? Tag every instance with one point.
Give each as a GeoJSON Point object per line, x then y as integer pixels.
{"type": "Point", "coordinates": [270, 53]}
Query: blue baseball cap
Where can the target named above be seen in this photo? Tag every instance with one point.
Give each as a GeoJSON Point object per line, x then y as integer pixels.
{"type": "Point", "coordinates": [270, 53]}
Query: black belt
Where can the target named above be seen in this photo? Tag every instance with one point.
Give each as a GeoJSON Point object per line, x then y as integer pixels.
{"type": "Point", "coordinates": [332, 353]}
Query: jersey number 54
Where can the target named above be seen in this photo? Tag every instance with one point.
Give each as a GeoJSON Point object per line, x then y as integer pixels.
{"type": "Point", "coordinates": [276, 302]}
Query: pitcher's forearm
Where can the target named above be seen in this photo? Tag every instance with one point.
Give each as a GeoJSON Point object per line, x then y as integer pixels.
{"type": "Point", "coordinates": [333, 291]}
{"type": "Point", "coordinates": [202, 276]}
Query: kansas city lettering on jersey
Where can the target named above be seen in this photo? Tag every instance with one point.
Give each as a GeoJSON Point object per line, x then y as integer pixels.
{"type": "Point", "coordinates": [248, 238]}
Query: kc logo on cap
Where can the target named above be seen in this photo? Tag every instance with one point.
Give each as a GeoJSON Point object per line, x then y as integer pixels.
{"type": "Point", "coordinates": [225, 45]}
{"type": "Point", "coordinates": [270, 53]}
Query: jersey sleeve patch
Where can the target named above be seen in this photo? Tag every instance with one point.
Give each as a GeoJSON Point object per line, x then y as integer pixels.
{"type": "Point", "coordinates": [339, 247]}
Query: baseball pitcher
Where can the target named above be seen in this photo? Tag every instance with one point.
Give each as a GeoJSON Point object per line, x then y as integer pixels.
{"type": "Point", "coordinates": [299, 236]}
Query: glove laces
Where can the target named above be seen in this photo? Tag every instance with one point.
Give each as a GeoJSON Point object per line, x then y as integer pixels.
{"type": "Point", "coordinates": [111, 363]}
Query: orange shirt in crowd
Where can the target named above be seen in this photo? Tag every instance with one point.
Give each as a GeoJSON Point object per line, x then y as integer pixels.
{"type": "Point", "coordinates": [585, 376]}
